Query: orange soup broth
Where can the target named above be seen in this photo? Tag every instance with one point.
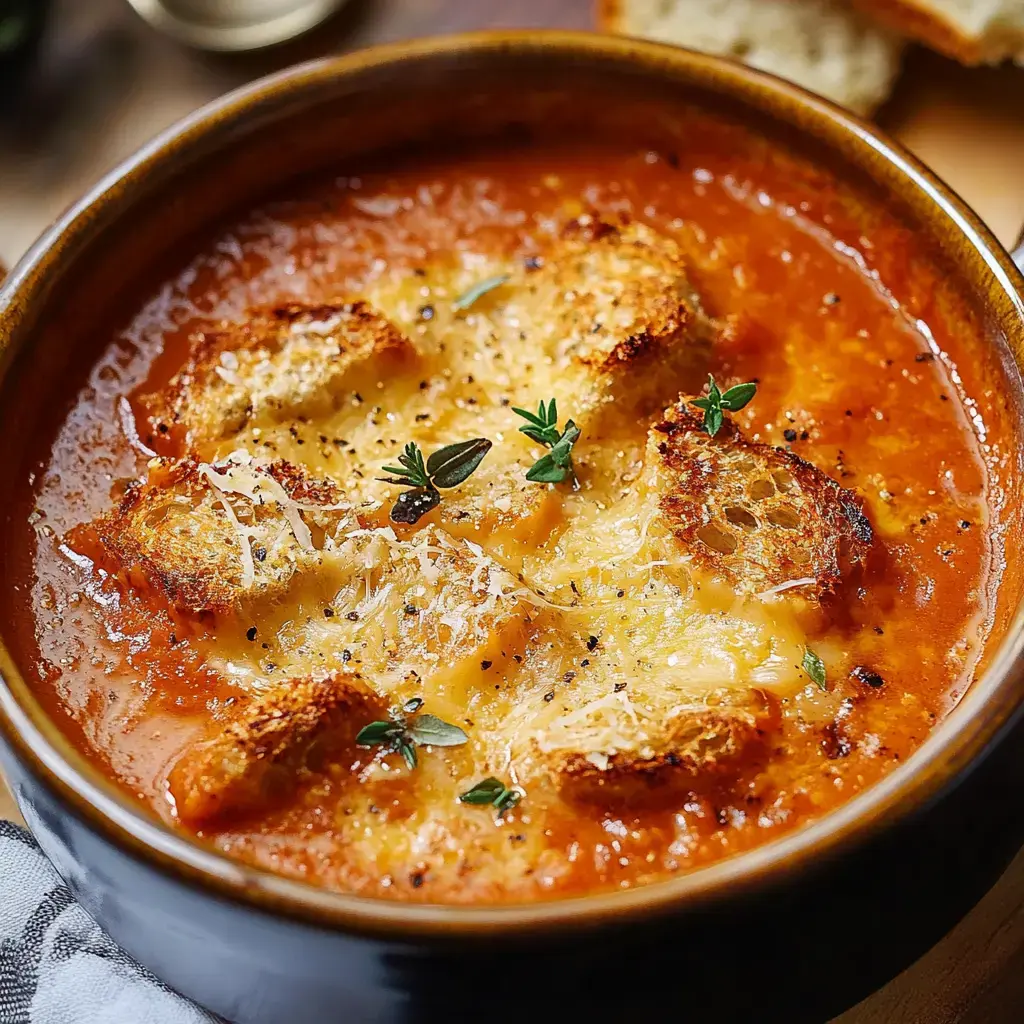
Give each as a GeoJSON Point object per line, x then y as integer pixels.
{"type": "Point", "coordinates": [844, 328]}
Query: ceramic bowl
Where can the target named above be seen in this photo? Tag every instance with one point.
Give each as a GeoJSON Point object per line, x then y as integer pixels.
{"type": "Point", "coordinates": [803, 925]}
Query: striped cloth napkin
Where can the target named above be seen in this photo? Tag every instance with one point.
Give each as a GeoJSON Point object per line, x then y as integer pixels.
{"type": "Point", "coordinates": [56, 966]}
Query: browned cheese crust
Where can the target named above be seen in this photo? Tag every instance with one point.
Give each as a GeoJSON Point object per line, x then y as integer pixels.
{"type": "Point", "coordinates": [173, 534]}
{"type": "Point", "coordinates": [755, 515]}
{"type": "Point", "coordinates": [282, 363]}
{"type": "Point", "coordinates": [279, 736]}
{"type": "Point", "coordinates": [731, 730]}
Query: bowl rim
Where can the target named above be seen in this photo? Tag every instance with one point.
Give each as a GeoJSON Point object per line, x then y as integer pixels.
{"type": "Point", "coordinates": [987, 710]}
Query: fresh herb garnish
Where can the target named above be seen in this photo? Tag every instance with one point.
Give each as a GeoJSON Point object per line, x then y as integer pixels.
{"type": "Point", "coordinates": [402, 736]}
{"type": "Point", "coordinates": [447, 467]}
{"type": "Point", "coordinates": [716, 403]}
{"type": "Point", "coordinates": [492, 792]}
{"type": "Point", "coordinates": [481, 288]}
{"type": "Point", "coordinates": [542, 427]}
{"type": "Point", "coordinates": [815, 668]}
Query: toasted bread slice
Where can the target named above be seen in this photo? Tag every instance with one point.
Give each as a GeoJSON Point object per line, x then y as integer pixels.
{"type": "Point", "coordinates": [756, 516]}
{"type": "Point", "coordinates": [283, 363]}
{"type": "Point", "coordinates": [263, 754]}
{"type": "Point", "coordinates": [209, 536]}
{"type": "Point", "coordinates": [970, 31]}
{"type": "Point", "coordinates": [624, 748]}
{"type": "Point", "coordinates": [822, 45]}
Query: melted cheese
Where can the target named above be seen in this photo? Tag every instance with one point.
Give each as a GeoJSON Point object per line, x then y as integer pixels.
{"type": "Point", "coordinates": [559, 626]}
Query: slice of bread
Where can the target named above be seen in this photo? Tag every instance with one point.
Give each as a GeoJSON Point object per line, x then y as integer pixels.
{"type": "Point", "coordinates": [970, 31]}
{"type": "Point", "coordinates": [822, 45]}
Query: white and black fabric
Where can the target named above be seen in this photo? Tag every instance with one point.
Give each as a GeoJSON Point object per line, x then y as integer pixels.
{"type": "Point", "coordinates": [56, 966]}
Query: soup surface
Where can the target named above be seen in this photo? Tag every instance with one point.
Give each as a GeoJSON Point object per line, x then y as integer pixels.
{"type": "Point", "coordinates": [641, 636]}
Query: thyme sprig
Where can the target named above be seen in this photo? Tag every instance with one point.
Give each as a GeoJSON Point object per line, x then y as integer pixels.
{"type": "Point", "coordinates": [478, 291]}
{"type": "Point", "coordinates": [542, 427]}
{"type": "Point", "coordinates": [718, 402]}
{"type": "Point", "coordinates": [447, 467]}
{"type": "Point", "coordinates": [493, 792]}
{"type": "Point", "coordinates": [815, 668]}
{"type": "Point", "coordinates": [402, 736]}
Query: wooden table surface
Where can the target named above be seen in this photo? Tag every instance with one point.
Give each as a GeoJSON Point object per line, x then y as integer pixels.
{"type": "Point", "coordinates": [128, 82]}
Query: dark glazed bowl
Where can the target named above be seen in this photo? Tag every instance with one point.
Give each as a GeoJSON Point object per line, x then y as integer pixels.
{"type": "Point", "coordinates": [802, 926]}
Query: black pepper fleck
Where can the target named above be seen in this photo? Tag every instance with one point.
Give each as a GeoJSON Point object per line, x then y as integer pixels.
{"type": "Point", "coordinates": [789, 434]}
{"type": "Point", "coordinates": [250, 634]}
{"type": "Point", "coordinates": [867, 676]}
{"type": "Point", "coordinates": [426, 312]}
{"type": "Point", "coordinates": [328, 613]}
{"type": "Point", "coordinates": [485, 665]}
{"type": "Point", "coordinates": [352, 616]}
{"type": "Point", "coordinates": [549, 697]}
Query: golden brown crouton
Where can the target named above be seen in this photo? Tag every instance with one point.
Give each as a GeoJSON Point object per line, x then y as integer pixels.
{"type": "Point", "coordinates": [263, 754]}
{"type": "Point", "coordinates": [617, 292]}
{"type": "Point", "coordinates": [210, 535]}
{"type": "Point", "coordinates": [283, 363]}
{"type": "Point", "coordinates": [618, 749]}
{"type": "Point", "coordinates": [757, 516]}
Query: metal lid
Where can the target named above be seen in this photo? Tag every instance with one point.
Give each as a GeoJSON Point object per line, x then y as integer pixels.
{"type": "Point", "coordinates": [235, 25]}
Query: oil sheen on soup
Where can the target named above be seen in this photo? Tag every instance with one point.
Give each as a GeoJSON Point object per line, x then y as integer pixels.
{"type": "Point", "coordinates": [681, 543]}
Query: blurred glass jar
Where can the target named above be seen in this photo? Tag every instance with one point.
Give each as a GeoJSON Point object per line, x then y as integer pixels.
{"type": "Point", "coordinates": [233, 25]}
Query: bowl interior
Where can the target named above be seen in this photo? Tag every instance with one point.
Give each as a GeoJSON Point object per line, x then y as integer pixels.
{"type": "Point", "coordinates": [494, 90]}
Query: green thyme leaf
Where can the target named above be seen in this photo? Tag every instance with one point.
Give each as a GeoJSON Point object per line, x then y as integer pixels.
{"type": "Point", "coordinates": [508, 799]}
{"type": "Point", "coordinates": [544, 471]}
{"type": "Point", "coordinates": [737, 397]}
{"type": "Point", "coordinates": [561, 450]}
{"type": "Point", "coordinates": [492, 792]}
{"type": "Point", "coordinates": [815, 668]}
{"type": "Point", "coordinates": [402, 737]}
{"type": "Point", "coordinates": [429, 729]}
{"type": "Point", "coordinates": [449, 466]}
{"type": "Point", "coordinates": [485, 792]}
{"type": "Point", "coordinates": [408, 752]}
{"type": "Point", "coordinates": [542, 427]}
{"type": "Point", "coordinates": [481, 288]}
{"type": "Point", "coordinates": [713, 419]}
{"type": "Point", "coordinates": [377, 732]}
{"type": "Point", "coordinates": [716, 403]}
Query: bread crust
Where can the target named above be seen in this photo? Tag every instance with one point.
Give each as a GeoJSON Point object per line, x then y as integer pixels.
{"type": "Point", "coordinates": [171, 535]}
{"type": "Point", "coordinates": [720, 737]}
{"type": "Point", "coordinates": [283, 362]}
{"type": "Point", "coordinates": [758, 516]}
{"type": "Point", "coordinates": [610, 17]}
{"type": "Point", "coordinates": [263, 754]}
{"type": "Point", "coordinates": [913, 19]}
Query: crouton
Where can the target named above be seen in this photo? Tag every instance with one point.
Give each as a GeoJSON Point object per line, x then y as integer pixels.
{"type": "Point", "coordinates": [608, 297]}
{"type": "Point", "coordinates": [620, 749]}
{"type": "Point", "coordinates": [282, 363]}
{"type": "Point", "coordinates": [756, 516]}
{"type": "Point", "coordinates": [207, 536]}
{"type": "Point", "coordinates": [277, 738]}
